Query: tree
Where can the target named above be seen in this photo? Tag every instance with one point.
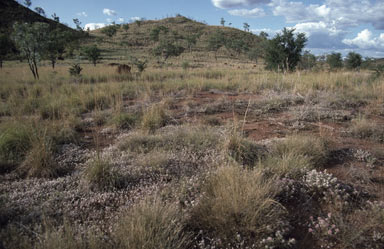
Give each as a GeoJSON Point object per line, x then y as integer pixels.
{"type": "Point", "coordinates": [263, 35]}
{"type": "Point", "coordinates": [191, 40]}
{"type": "Point", "coordinates": [110, 30]}
{"type": "Point", "coordinates": [55, 45]}
{"type": "Point", "coordinates": [254, 54]}
{"type": "Point", "coordinates": [216, 41]}
{"type": "Point", "coordinates": [307, 61]}
{"type": "Point", "coordinates": [246, 26]}
{"type": "Point", "coordinates": [55, 17]}
{"type": "Point", "coordinates": [167, 48]}
{"type": "Point", "coordinates": [28, 3]}
{"type": "Point", "coordinates": [31, 40]}
{"type": "Point", "coordinates": [237, 45]}
{"type": "Point", "coordinates": [93, 54]}
{"type": "Point", "coordinates": [284, 50]}
{"type": "Point", "coordinates": [155, 32]}
{"type": "Point", "coordinates": [40, 11]}
{"type": "Point", "coordinates": [126, 27]}
{"type": "Point", "coordinates": [334, 61]}
{"type": "Point", "coordinates": [353, 60]}
{"type": "Point", "coordinates": [222, 21]}
{"type": "Point", "coordinates": [138, 23]}
{"type": "Point", "coordinates": [5, 47]}
{"type": "Point", "coordinates": [78, 24]}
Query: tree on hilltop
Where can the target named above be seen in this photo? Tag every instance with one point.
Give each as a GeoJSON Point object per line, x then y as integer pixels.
{"type": "Point", "coordinates": [110, 30]}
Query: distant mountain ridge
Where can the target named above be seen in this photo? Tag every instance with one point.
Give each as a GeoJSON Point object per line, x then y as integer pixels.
{"type": "Point", "coordinates": [11, 12]}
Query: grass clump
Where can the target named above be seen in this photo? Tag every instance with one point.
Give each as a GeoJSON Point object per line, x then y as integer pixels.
{"type": "Point", "coordinates": [99, 174]}
{"type": "Point", "coordinates": [126, 120]}
{"type": "Point", "coordinates": [237, 201]}
{"type": "Point", "coordinates": [243, 150]}
{"type": "Point", "coordinates": [154, 118]}
{"type": "Point", "coordinates": [14, 143]}
{"type": "Point", "coordinates": [289, 165]}
{"type": "Point", "coordinates": [151, 224]}
{"type": "Point", "coordinates": [366, 129]}
{"type": "Point", "coordinates": [195, 140]}
{"type": "Point", "coordinates": [39, 161]}
{"type": "Point", "coordinates": [315, 149]}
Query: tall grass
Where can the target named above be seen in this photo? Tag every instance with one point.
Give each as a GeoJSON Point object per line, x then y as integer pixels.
{"type": "Point", "coordinates": [152, 224]}
{"type": "Point", "coordinates": [237, 201]}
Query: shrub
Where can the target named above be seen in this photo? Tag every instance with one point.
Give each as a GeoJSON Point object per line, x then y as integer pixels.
{"type": "Point", "coordinates": [185, 65]}
{"type": "Point", "coordinates": [75, 70]}
{"type": "Point", "coordinates": [151, 224]}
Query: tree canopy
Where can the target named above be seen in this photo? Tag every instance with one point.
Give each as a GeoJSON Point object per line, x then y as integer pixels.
{"type": "Point", "coordinates": [31, 41]}
{"type": "Point", "coordinates": [353, 60]}
{"type": "Point", "coordinates": [93, 54]}
{"type": "Point", "coordinates": [284, 50]}
{"type": "Point", "coordinates": [334, 60]}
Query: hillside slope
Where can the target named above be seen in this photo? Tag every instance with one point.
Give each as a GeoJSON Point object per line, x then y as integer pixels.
{"type": "Point", "coordinates": [138, 39]}
{"type": "Point", "coordinates": [11, 11]}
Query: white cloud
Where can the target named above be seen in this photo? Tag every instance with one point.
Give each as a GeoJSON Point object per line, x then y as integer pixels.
{"type": "Point", "coordinates": [120, 19]}
{"type": "Point", "coordinates": [93, 26]}
{"type": "Point", "coordinates": [83, 14]}
{"type": "Point", "coordinates": [270, 32]}
{"type": "Point", "coordinates": [256, 12]}
{"type": "Point", "coordinates": [322, 35]}
{"type": "Point", "coordinates": [341, 13]}
{"type": "Point", "coordinates": [225, 4]}
{"type": "Point", "coordinates": [328, 23]}
{"type": "Point", "coordinates": [135, 18]}
{"type": "Point", "coordinates": [365, 40]}
{"type": "Point", "coordinates": [109, 12]}
{"type": "Point", "coordinates": [109, 20]}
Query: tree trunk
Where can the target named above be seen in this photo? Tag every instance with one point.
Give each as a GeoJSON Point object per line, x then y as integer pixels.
{"type": "Point", "coordinates": [36, 70]}
{"type": "Point", "coordinates": [53, 64]}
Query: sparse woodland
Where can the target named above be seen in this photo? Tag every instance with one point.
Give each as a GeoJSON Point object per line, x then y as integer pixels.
{"type": "Point", "coordinates": [197, 146]}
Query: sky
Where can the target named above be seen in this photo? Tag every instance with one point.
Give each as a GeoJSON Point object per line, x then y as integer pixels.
{"type": "Point", "coordinates": [330, 25]}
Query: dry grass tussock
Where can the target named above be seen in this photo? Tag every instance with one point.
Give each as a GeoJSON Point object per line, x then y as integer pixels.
{"type": "Point", "coordinates": [238, 201]}
{"type": "Point", "coordinates": [151, 224]}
